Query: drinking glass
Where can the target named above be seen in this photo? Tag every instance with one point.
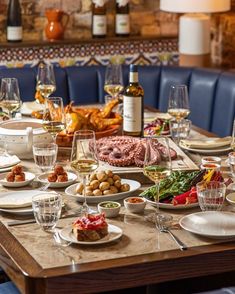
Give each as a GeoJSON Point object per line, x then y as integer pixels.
{"type": "Point", "coordinates": [53, 116]}
{"type": "Point", "coordinates": [113, 80]}
{"type": "Point", "coordinates": [211, 195]}
{"type": "Point", "coordinates": [155, 168]}
{"type": "Point", "coordinates": [46, 84]}
{"type": "Point", "coordinates": [231, 162]}
{"type": "Point", "coordinates": [180, 130]}
{"type": "Point", "coordinates": [47, 209]}
{"type": "Point", "coordinates": [84, 158]}
{"type": "Point", "coordinates": [10, 95]}
{"type": "Point", "coordinates": [178, 103]}
{"type": "Point", "coordinates": [45, 155]}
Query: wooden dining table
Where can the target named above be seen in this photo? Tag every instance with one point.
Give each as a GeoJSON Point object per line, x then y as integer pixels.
{"type": "Point", "coordinates": [142, 256]}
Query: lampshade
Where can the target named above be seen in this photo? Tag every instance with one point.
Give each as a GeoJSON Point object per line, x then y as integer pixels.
{"type": "Point", "coordinates": [195, 6]}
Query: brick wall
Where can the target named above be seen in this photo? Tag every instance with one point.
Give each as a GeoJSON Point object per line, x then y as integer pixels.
{"type": "Point", "coordinates": [146, 19]}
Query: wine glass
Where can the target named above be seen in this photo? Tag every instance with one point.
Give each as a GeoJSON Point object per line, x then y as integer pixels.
{"type": "Point", "coordinates": [53, 116]}
{"type": "Point", "coordinates": [84, 158]}
{"type": "Point", "coordinates": [155, 168]}
{"type": "Point", "coordinates": [113, 80]}
{"type": "Point", "coordinates": [45, 81]}
{"type": "Point", "coordinates": [10, 96]}
{"type": "Point", "coordinates": [178, 104]}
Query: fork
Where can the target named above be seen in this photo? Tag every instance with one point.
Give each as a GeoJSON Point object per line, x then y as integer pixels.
{"type": "Point", "coordinates": [58, 240]}
{"type": "Point", "coordinates": [164, 229]}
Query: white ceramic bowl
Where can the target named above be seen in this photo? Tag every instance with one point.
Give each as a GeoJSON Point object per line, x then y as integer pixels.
{"type": "Point", "coordinates": [211, 159]}
{"type": "Point", "coordinates": [109, 211]}
{"type": "Point", "coordinates": [135, 207]}
{"type": "Point", "coordinates": [210, 165]}
{"type": "Point", "coordinates": [231, 198]}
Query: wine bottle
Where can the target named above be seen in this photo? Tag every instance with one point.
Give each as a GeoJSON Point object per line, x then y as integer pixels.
{"type": "Point", "coordinates": [122, 23]}
{"type": "Point", "coordinates": [99, 19]}
{"type": "Point", "coordinates": [14, 23]}
{"type": "Point", "coordinates": [133, 108]}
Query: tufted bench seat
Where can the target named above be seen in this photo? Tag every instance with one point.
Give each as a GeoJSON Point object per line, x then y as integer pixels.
{"type": "Point", "coordinates": [211, 92]}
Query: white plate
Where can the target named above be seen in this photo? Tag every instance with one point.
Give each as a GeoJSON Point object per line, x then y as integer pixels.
{"type": "Point", "coordinates": [28, 107]}
{"type": "Point", "coordinates": [134, 185]}
{"type": "Point", "coordinates": [231, 198]}
{"type": "Point", "coordinates": [207, 151]}
{"type": "Point", "coordinates": [114, 233]}
{"type": "Point", "coordinates": [171, 206]}
{"type": "Point", "coordinates": [17, 199]}
{"type": "Point", "coordinates": [212, 224]}
{"type": "Point", "coordinates": [5, 169]}
{"type": "Point", "coordinates": [8, 161]}
{"type": "Point", "coordinates": [20, 211]}
{"type": "Point", "coordinates": [72, 177]}
{"type": "Point", "coordinates": [29, 177]}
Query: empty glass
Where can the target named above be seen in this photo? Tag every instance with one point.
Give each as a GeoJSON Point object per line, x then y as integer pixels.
{"type": "Point", "coordinates": [211, 195]}
{"type": "Point", "coordinates": [47, 209]}
{"type": "Point", "coordinates": [45, 155]}
{"type": "Point", "coordinates": [180, 130]}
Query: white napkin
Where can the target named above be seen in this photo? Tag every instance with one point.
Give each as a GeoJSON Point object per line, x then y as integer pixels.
{"type": "Point", "coordinates": [6, 161]}
{"type": "Point", "coordinates": [28, 107]}
{"type": "Point", "coordinates": [207, 143]}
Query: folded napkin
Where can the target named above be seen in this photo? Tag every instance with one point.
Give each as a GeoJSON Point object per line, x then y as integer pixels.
{"type": "Point", "coordinates": [207, 143]}
{"type": "Point", "coordinates": [6, 161]}
{"type": "Point", "coordinates": [28, 107]}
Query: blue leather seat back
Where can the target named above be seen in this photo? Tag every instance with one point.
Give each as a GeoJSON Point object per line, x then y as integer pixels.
{"type": "Point", "coordinates": [202, 91]}
{"type": "Point", "coordinates": [61, 85]}
{"type": "Point", "coordinates": [224, 105]}
{"type": "Point", "coordinates": [26, 79]}
{"type": "Point", "coordinates": [83, 84]}
{"type": "Point", "coordinates": [171, 76]}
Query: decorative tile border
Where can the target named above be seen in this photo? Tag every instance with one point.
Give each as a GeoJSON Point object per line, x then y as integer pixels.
{"type": "Point", "coordinates": [142, 51]}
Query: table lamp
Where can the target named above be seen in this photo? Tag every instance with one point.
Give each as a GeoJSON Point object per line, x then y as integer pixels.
{"type": "Point", "coordinates": [194, 27]}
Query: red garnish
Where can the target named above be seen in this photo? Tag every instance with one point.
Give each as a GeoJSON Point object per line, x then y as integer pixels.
{"type": "Point", "coordinates": [186, 198]}
{"type": "Point", "coordinates": [91, 222]}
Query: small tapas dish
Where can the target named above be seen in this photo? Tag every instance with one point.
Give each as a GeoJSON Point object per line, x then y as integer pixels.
{"type": "Point", "coordinates": [109, 208]}
{"type": "Point", "coordinates": [27, 179]}
{"type": "Point", "coordinates": [71, 178]}
{"type": "Point", "coordinates": [135, 204]}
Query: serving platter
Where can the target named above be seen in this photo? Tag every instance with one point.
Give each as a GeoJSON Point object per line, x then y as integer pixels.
{"type": "Point", "coordinates": [171, 206]}
{"type": "Point", "coordinates": [114, 233]}
{"type": "Point", "coordinates": [134, 185]}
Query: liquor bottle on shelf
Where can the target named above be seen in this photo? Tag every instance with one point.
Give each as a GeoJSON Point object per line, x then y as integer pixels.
{"type": "Point", "coordinates": [122, 21]}
{"type": "Point", "coordinates": [14, 22]}
{"type": "Point", "coordinates": [99, 19]}
{"type": "Point", "coordinates": [133, 105]}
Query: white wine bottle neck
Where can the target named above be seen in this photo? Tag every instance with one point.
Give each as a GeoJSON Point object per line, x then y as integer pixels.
{"type": "Point", "coordinates": [133, 77]}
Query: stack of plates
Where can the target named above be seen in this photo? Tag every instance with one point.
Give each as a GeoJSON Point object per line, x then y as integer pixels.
{"type": "Point", "coordinates": [7, 162]}
{"type": "Point", "coordinates": [17, 202]}
{"type": "Point", "coordinates": [207, 145]}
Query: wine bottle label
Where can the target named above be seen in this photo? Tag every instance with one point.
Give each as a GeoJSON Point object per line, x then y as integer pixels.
{"type": "Point", "coordinates": [99, 25]}
{"type": "Point", "coordinates": [122, 24]}
{"type": "Point", "coordinates": [132, 114]}
{"type": "Point", "coordinates": [14, 33]}
{"type": "Point", "coordinates": [133, 77]}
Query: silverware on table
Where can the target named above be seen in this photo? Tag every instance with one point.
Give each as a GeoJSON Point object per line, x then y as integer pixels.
{"type": "Point", "coordinates": [162, 223]}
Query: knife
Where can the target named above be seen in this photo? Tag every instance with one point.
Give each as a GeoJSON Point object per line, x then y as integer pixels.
{"type": "Point", "coordinates": [31, 221]}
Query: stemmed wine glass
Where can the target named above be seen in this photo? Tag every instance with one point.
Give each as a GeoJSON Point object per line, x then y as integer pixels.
{"type": "Point", "coordinates": [84, 158]}
{"type": "Point", "coordinates": [53, 116]}
{"type": "Point", "coordinates": [154, 168]}
{"type": "Point", "coordinates": [113, 80]}
{"type": "Point", "coordinates": [10, 96]}
{"type": "Point", "coordinates": [178, 104]}
{"type": "Point", "coordinates": [46, 84]}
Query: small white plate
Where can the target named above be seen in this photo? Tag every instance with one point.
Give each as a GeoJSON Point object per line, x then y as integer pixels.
{"type": "Point", "coordinates": [29, 177]}
{"type": "Point", "coordinates": [8, 161]}
{"type": "Point", "coordinates": [206, 151]}
{"type": "Point", "coordinates": [212, 224]}
{"type": "Point", "coordinates": [231, 198]}
{"type": "Point", "coordinates": [72, 177]}
{"type": "Point", "coordinates": [134, 185]}
{"type": "Point", "coordinates": [114, 233]}
{"type": "Point", "coordinates": [171, 206]}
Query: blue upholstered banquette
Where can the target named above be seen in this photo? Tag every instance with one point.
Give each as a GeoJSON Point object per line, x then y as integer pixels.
{"type": "Point", "coordinates": [211, 92]}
